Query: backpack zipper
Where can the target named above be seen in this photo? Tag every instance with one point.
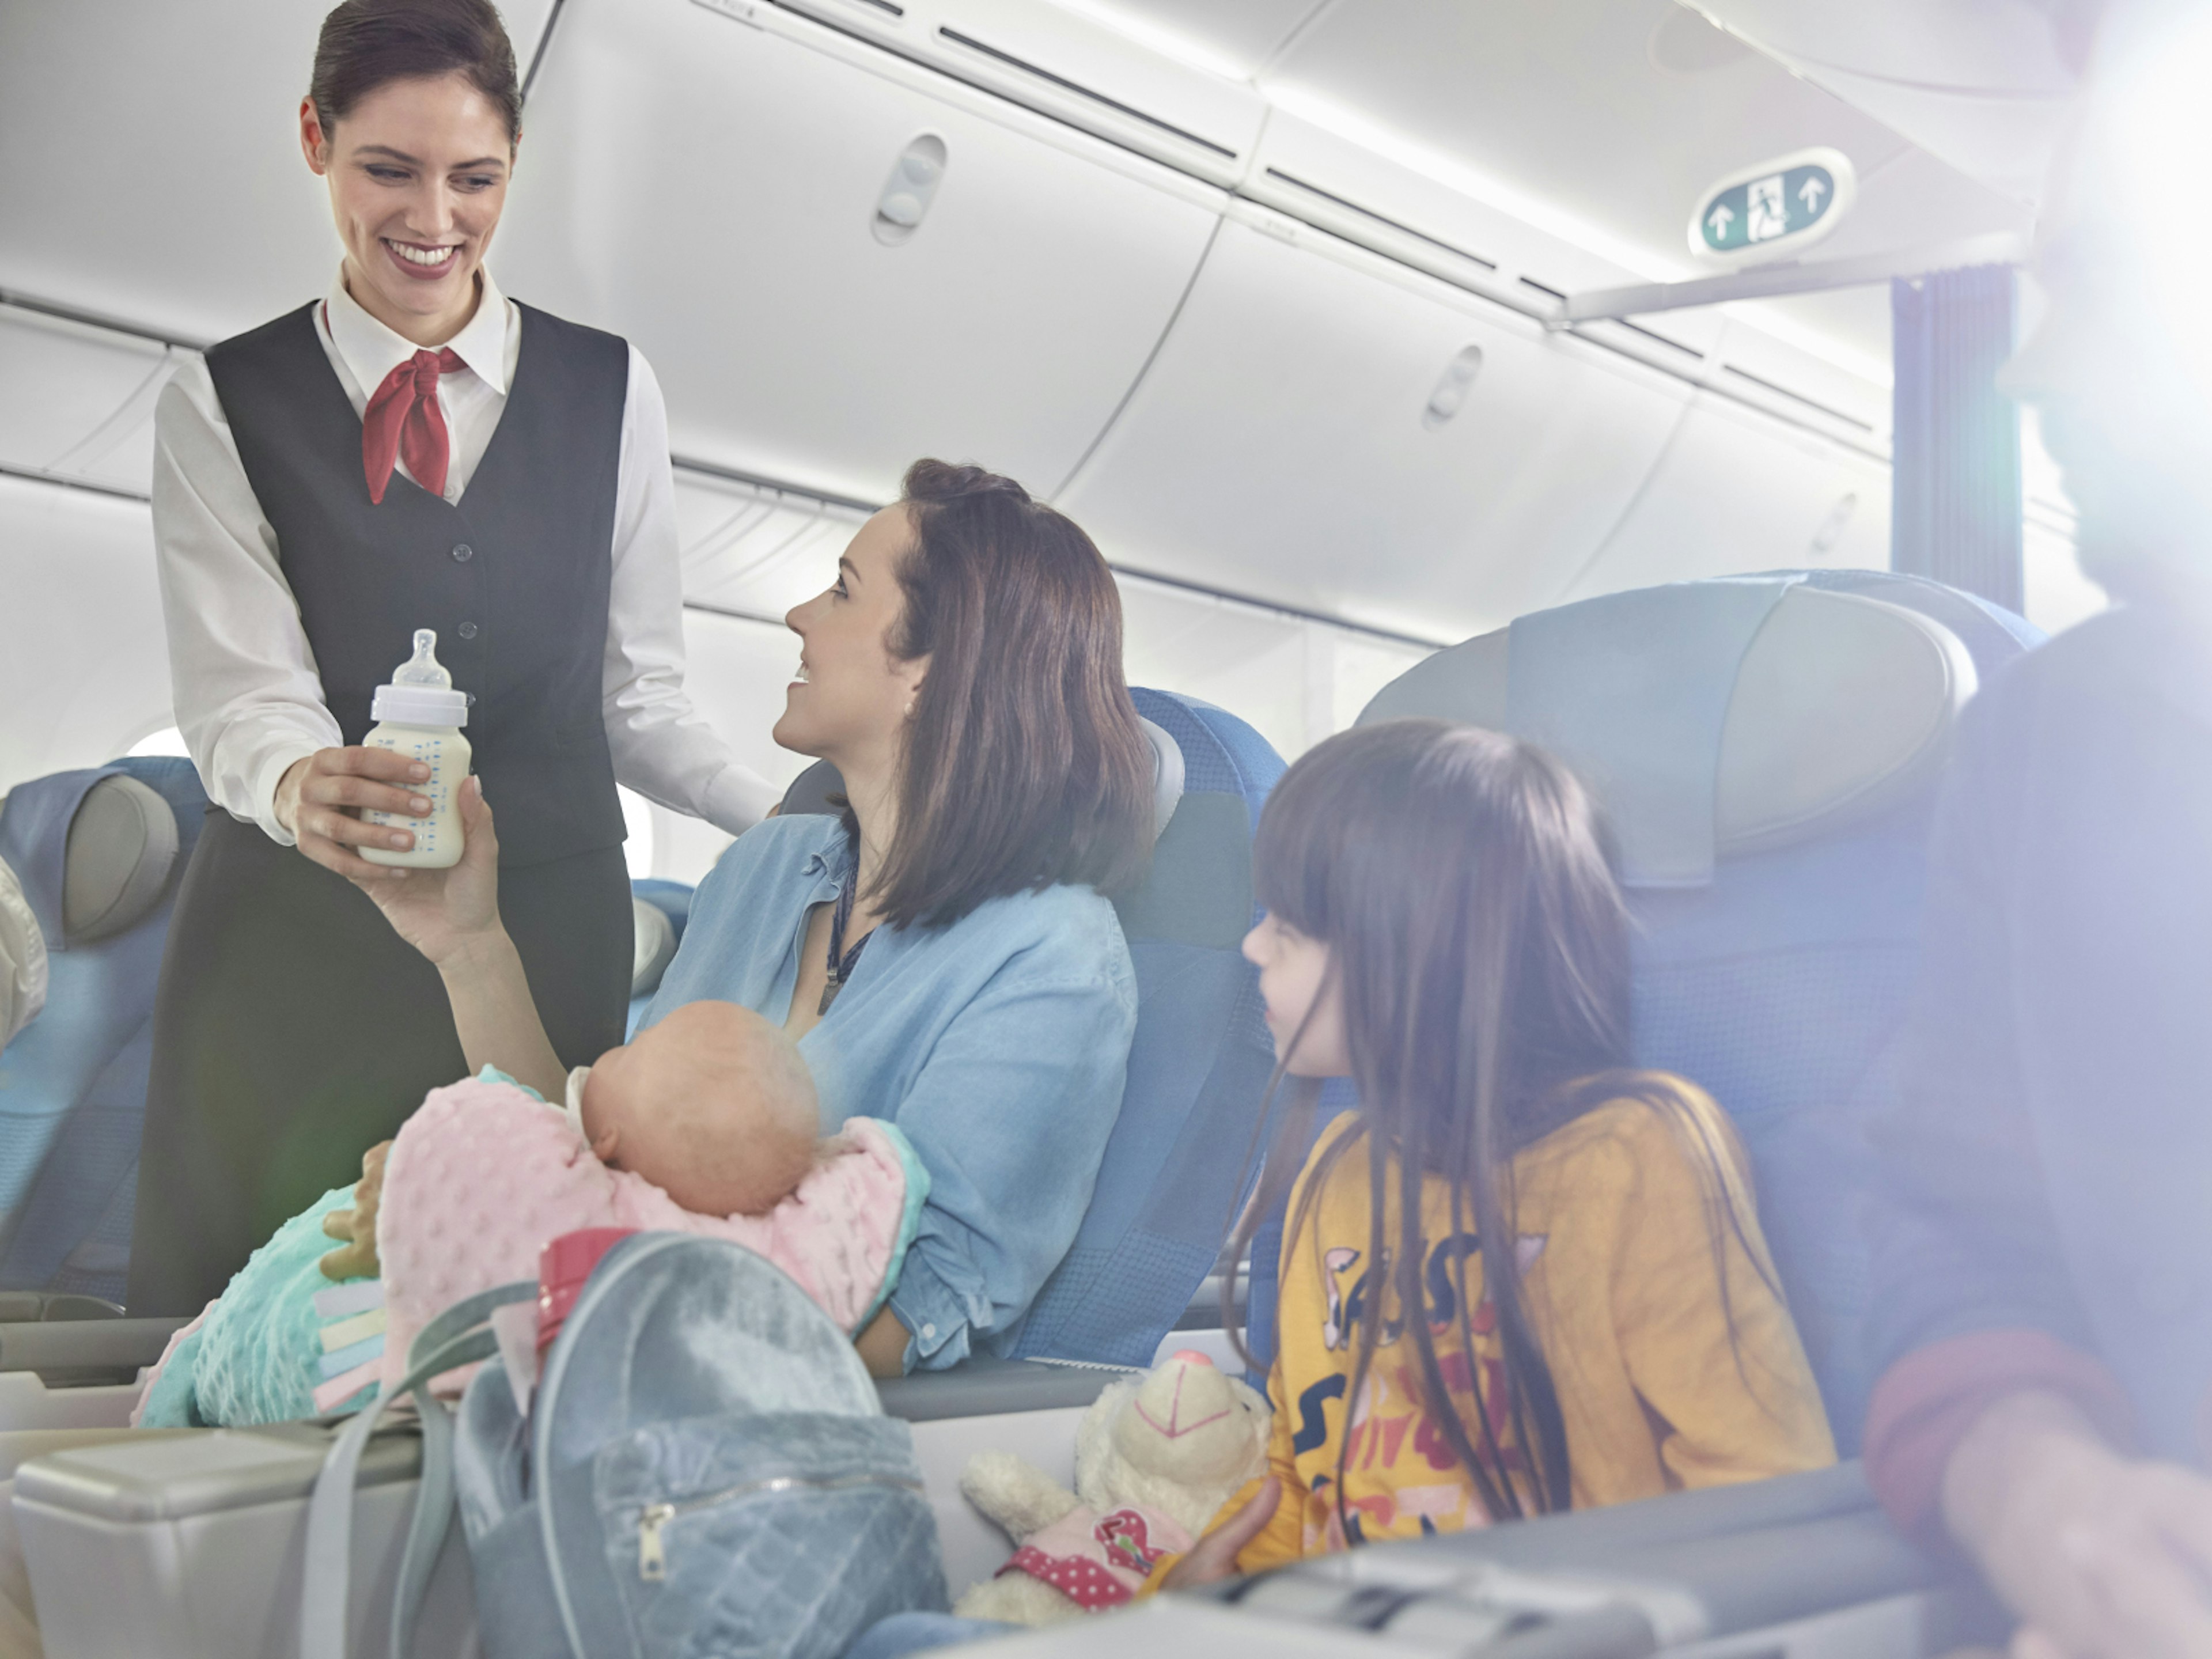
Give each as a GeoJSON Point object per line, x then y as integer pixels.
{"type": "Point", "coordinates": [652, 1553]}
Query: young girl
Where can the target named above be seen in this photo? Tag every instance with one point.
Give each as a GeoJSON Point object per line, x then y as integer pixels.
{"type": "Point", "coordinates": [1442, 929]}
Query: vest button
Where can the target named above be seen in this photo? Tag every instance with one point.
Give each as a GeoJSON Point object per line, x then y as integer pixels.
{"type": "Point", "coordinates": [466, 630]}
{"type": "Point", "coordinates": [464, 553]}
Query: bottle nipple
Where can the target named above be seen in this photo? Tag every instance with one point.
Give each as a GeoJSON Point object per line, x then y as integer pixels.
{"type": "Point", "coordinates": [423, 668]}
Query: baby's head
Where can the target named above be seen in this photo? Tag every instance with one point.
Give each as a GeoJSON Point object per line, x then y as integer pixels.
{"type": "Point", "coordinates": [713, 1106]}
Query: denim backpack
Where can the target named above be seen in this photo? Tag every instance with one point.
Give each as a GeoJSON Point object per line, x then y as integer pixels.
{"type": "Point", "coordinates": [705, 1469]}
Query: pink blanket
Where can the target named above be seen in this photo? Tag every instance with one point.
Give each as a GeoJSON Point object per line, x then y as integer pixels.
{"type": "Point", "coordinates": [485, 1175]}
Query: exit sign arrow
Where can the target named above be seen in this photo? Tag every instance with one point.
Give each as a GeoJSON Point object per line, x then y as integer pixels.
{"type": "Point", "coordinates": [1771, 210]}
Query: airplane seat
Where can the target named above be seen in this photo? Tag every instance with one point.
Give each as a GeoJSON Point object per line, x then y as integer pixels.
{"type": "Point", "coordinates": [660, 910]}
{"type": "Point", "coordinates": [1768, 749]}
{"type": "Point", "coordinates": [99, 852]}
{"type": "Point", "coordinates": [1201, 1057]}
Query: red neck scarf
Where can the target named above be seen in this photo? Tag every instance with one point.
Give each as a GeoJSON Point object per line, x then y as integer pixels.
{"type": "Point", "coordinates": [404, 418]}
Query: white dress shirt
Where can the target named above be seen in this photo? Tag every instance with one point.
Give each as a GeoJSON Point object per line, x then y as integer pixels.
{"type": "Point", "coordinates": [249, 701]}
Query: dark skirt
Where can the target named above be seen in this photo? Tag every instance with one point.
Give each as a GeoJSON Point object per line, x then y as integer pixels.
{"type": "Point", "coordinates": [294, 1029]}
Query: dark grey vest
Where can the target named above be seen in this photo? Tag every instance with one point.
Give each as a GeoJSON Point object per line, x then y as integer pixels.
{"type": "Point", "coordinates": [514, 577]}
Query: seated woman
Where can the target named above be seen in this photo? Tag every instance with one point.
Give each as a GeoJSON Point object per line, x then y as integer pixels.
{"type": "Point", "coordinates": [945, 952]}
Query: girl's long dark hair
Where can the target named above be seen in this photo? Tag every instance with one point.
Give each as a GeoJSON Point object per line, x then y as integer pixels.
{"type": "Point", "coordinates": [1460, 880]}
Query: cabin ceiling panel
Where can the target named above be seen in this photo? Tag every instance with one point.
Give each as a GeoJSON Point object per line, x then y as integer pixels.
{"type": "Point", "coordinates": [712, 190]}
{"type": "Point", "coordinates": [1282, 444]}
{"type": "Point", "coordinates": [1572, 104]}
{"type": "Point", "coordinates": [1734, 492]}
{"type": "Point", "coordinates": [1985, 84]}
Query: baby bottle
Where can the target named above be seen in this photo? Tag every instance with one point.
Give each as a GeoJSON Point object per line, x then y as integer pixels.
{"type": "Point", "coordinates": [420, 715]}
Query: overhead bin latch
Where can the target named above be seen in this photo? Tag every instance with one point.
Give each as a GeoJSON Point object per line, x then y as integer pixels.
{"type": "Point", "coordinates": [1452, 387]}
{"type": "Point", "coordinates": [910, 189]}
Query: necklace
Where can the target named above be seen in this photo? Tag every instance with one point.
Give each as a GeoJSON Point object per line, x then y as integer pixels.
{"type": "Point", "coordinates": [841, 961]}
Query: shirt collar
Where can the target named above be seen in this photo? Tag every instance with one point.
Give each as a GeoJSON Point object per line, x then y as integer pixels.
{"type": "Point", "coordinates": [372, 352]}
{"type": "Point", "coordinates": [830, 867]}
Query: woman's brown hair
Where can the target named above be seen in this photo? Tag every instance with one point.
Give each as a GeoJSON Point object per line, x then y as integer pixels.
{"type": "Point", "coordinates": [1460, 880]}
{"type": "Point", "coordinates": [366, 43]}
{"type": "Point", "coordinates": [1024, 765]}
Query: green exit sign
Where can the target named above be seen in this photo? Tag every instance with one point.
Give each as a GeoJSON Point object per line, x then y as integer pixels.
{"type": "Point", "coordinates": [1771, 210]}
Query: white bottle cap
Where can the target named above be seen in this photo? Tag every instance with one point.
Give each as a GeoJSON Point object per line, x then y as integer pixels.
{"type": "Point", "coordinates": [422, 691]}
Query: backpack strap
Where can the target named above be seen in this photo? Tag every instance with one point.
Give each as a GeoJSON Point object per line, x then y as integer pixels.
{"type": "Point", "coordinates": [460, 1336]}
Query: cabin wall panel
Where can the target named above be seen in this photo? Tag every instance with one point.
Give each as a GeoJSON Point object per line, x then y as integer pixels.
{"type": "Point", "coordinates": [85, 671]}
{"type": "Point", "coordinates": [757, 552]}
{"type": "Point", "coordinates": [1277, 446]}
{"type": "Point", "coordinates": [71, 395]}
{"type": "Point", "coordinates": [709, 189]}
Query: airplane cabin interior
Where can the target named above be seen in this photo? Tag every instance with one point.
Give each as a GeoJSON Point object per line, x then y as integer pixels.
{"type": "Point", "coordinates": [1627, 377]}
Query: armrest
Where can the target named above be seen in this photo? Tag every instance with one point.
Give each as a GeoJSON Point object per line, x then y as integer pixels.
{"type": "Point", "coordinates": [163, 1475]}
{"type": "Point", "coordinates": [85, 1350]}
{"type": "Point", "coordinates": [1682, 1568]}
{"type": "Point", "coordinates": [995, 1388]}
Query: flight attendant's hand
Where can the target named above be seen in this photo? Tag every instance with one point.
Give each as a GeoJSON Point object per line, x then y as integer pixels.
{"type": "Point", "coordinates": [320, 800]}
{"type": "Point", "coordinates": [448, 913]}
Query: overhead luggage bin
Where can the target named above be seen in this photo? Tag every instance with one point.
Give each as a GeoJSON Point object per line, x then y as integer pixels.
{"type": "Point", "coordinates": [79, 401]}
{"type": "Point", "coordinates": [1338, 433]}
{"type": "Point", "coordinates": [1734, 489]}
{"type": "Point", "coordinates": [731, 177]}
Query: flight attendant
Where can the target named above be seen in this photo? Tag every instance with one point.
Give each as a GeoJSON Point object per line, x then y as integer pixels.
{"type": "Point", "coordinates": [412, 450]}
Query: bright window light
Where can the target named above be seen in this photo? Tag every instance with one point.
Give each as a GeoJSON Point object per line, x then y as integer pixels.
{"type": "Point", "coordinates": [2160, 137]}
{"type": "Point", "coordinates": [637, 818]}
{"type": "Point", "coordinates": [167, 741]}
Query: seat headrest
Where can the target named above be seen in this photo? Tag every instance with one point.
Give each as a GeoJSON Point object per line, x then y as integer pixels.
{"type": "Point", "coordinates": [1167, 776]}
{"type": "Point", "coordinates": [93, 850]}
{"type": "Point", "coordinates": [655, 946]}
{"type": "Point", "coordinates": [122, 845]}
{"type": "Point", "coordinates": [1713, 718]}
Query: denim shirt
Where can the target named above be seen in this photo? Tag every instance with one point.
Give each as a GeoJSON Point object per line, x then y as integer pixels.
{"type": "Point", "coordinates": [999, 1045]}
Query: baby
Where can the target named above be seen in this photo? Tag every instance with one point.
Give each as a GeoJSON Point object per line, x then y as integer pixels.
{"type": "Point", "coordinates": [713, 1106]}
{"type": "Point", "coordinates": [707, 1123]}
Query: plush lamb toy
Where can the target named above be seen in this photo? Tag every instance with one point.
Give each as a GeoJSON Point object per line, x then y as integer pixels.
{"type": "Point", "coordinates": [1155, 1458]}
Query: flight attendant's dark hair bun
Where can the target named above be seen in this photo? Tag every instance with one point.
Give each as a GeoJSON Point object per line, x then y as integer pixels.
{"type": "Point", "coordinates": [366, 43]}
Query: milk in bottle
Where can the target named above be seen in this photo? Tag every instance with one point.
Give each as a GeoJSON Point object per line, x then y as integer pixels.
{"type": "Point", "coordinates": [420, 715]}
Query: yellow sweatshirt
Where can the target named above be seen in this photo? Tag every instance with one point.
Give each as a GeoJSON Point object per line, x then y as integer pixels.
{"type": "Point", "coordinates": [1616, 1250]}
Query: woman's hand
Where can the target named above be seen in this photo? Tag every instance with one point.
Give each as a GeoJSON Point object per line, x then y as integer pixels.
{"type": "Point", "coordinates": [446, 914]}
{"type": "Point", "coordinates": [2100, 1554]}
{"type": "Point", "coordinates": [357, 1226]}
{"type": "Point", "coordinates": [320, 800]}
{"type": "Point", "coordinates": [1213, 1558]}
{"type": "Point", "coordinates": [883, 1346]}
